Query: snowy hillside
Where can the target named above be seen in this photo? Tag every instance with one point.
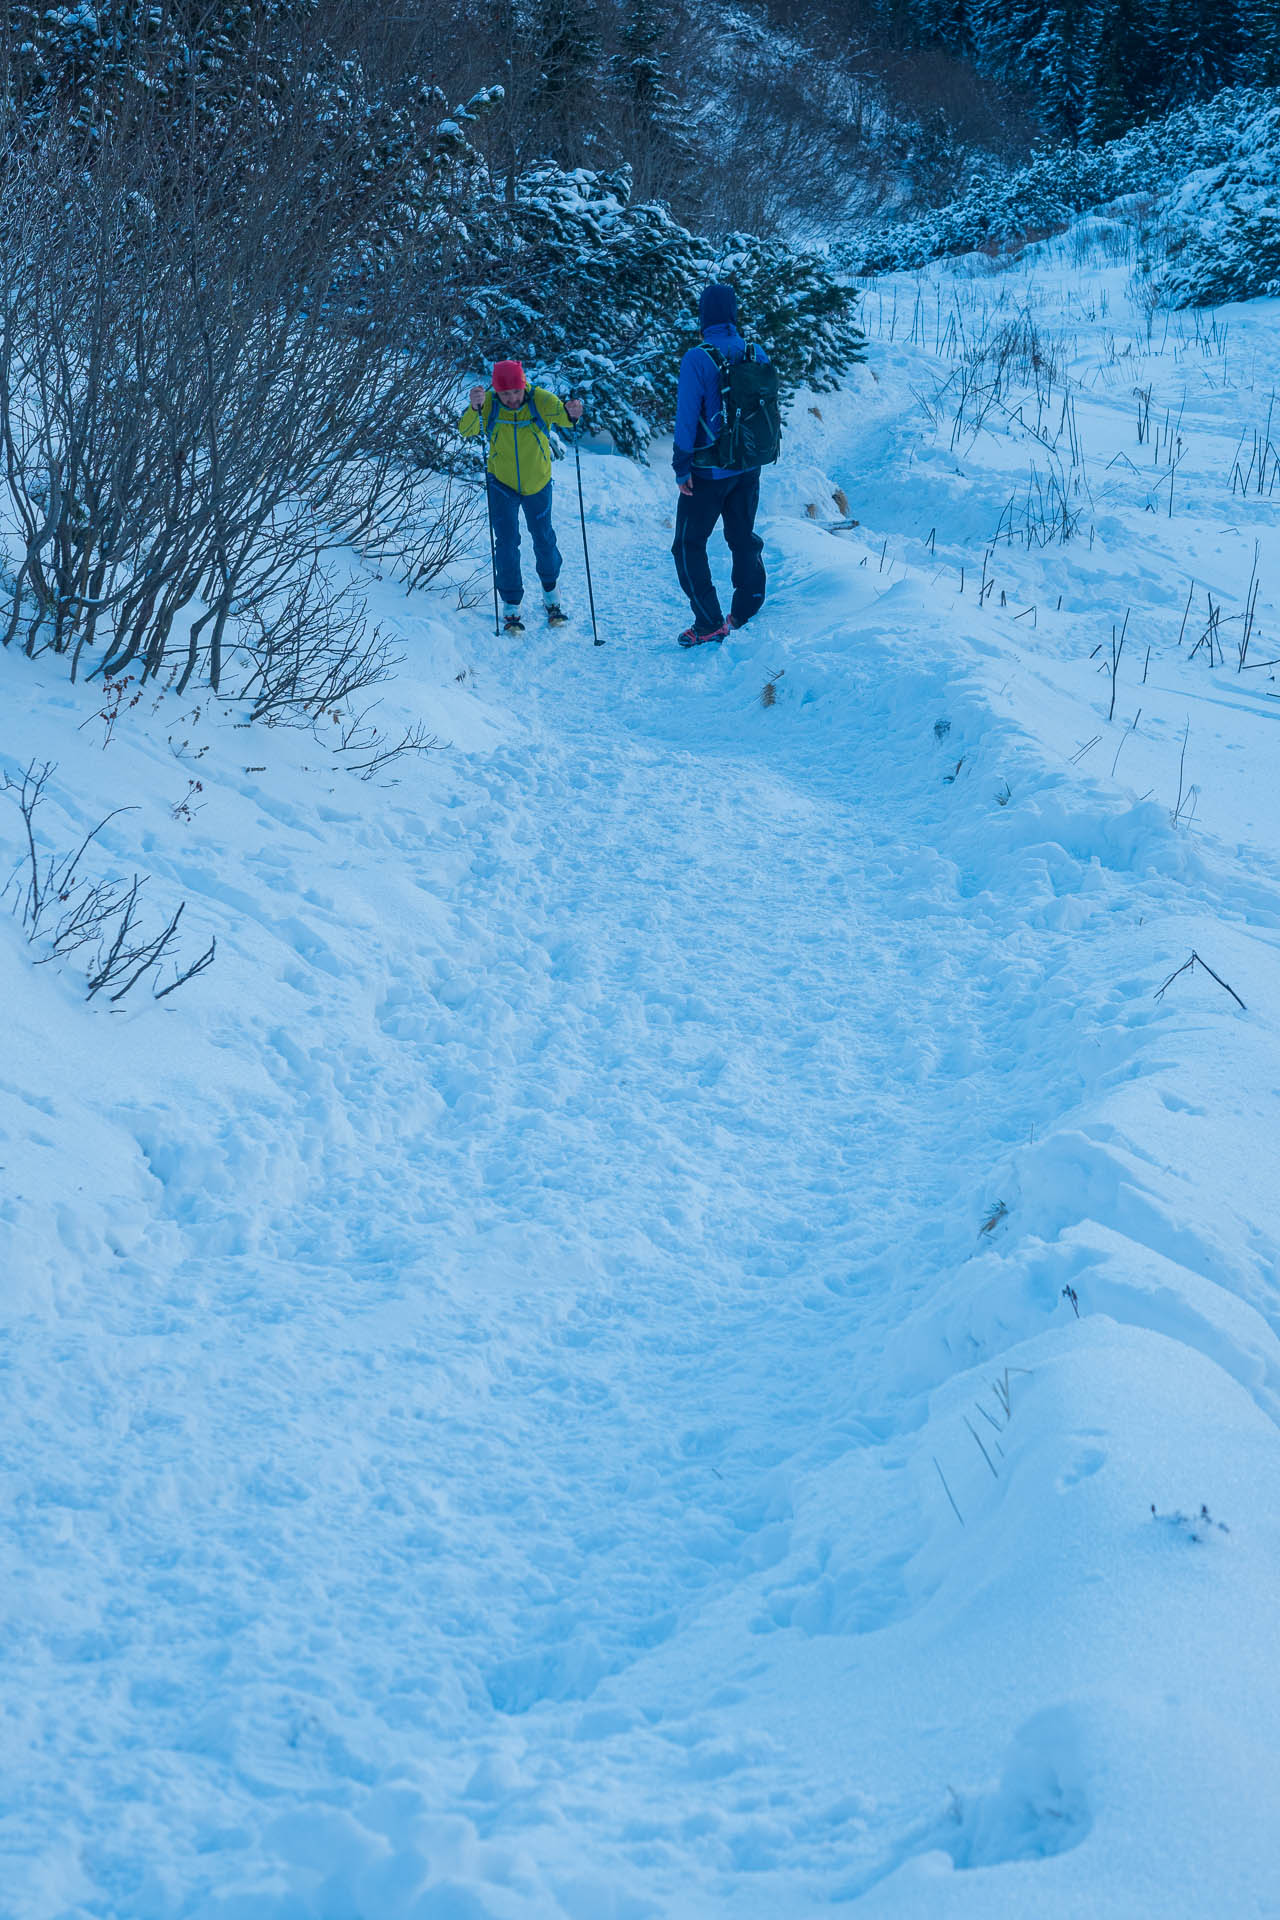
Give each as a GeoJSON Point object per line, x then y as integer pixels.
{"type": "Point", "coordinates": [684, 1322]}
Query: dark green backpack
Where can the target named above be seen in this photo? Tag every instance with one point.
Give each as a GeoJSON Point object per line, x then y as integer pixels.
{"type": "Point", "coordinates": [751, 430]}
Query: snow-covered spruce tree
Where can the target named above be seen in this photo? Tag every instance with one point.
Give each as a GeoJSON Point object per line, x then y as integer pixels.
{"type": "Point", "coordinates": [1262, 25]}
{"type": "Point", "coordinates": [641, 80]}
{"type": "Point", "coordinates": [1094, 67]}
{"type": "Point", "coordinates": [1202, 47]}
{"type": "Point", "coordinates": [589, 286]}
{"type": "Point", "coordinates": [940, 23]}
{"type": "Point", "coordinates": [566, 47]}
{"type": "Point", "coordinates": [1050, 47]}
{"type": "Point", "coordinates": [790, 300]}
{"type": "Point", "coordinates": [86, 64]}
{"type": "Point", "coordinates": [655, 122]}
{"type": "Point", "coordinates": [600, 292]}
{"type": "Point", "coordinates": [1225, 224]}
{"type": "Point", "coordinates": [1130, 76]}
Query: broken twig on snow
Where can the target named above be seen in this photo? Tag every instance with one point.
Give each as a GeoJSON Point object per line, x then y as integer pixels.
{"type": "Point", "coordinates": [1191, 963]}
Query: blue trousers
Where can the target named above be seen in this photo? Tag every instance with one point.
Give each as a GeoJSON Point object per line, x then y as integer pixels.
{"type": "Point", "coordinates": [505, 505]}
{"type": "Point", "coordinates": [732, 501]}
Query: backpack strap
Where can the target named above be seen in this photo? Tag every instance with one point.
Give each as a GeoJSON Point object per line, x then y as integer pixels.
{"type": "Point", "coordinates": [490, 421]}
{"type": "Point", "coordinates": [721, 364]}
{"type": "Point", "coordinates": [532, 405]}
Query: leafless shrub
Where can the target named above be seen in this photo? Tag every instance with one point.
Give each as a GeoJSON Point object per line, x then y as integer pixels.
{"type": "Point", "coordinates": [126, 955]}
{"type": "Point", "coordinates": [411, 518]}
{"type": "Point", "coordinates": [308, 645]}
{"type": "Point", "coordinates": [1100, 238]}
{"type": "Point", "coordinates": [1259, 475]}
{"type": "Point", "coordinates": [1249, 617]}
{"type": "Point", "coordinates": [43, 882]}
{"type": "Point", "coordinates": [376, 750]}
{"type": "Point", "coordinates": [1211, 638]}
{"type": "Point", "coordinates": [202, 354]}
{"type": "Point", "coordinates": [1113, 659]}
{"type": "Point", "coordinates": [62, 908]}
{"type": "Point", "coordinates": [812, 134]}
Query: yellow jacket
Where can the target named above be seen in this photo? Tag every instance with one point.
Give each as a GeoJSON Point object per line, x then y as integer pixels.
{"type": "Point", "coordinates": [519, 450]}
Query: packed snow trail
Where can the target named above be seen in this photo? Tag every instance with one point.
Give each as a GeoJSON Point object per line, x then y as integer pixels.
{"type": "Point", "coordinates": [602, 1191]}
{"type": "Point", "coordinates": [558, 1398]}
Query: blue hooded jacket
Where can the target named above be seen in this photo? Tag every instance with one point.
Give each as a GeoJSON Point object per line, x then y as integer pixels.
{"type": "Point", "coordinates": [699, 416]}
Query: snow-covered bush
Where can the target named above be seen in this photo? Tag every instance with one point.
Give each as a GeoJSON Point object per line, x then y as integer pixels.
{"type": "Point", "coordinates": [797, 306]}
{"type": "Point", "coordinates": [599, 292]}
{"type": "Point", "coordinates": [1224, 224]}
{"type": "Point", "coordinates": [1046, 195]}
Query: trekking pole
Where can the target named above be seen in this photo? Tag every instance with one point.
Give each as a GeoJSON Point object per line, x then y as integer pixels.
{"type": "Point", "coordinates": [493, 542]}
{"type": "Point", "coordinates": [582, 516]}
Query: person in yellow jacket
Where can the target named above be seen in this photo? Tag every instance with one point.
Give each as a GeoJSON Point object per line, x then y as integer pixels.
{"type": "Point", "coordinates": [514, 418]}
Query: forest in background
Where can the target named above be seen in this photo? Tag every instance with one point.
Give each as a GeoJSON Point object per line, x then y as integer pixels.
{"type": "Point", "coordinates": [250, 251]}
{"type": "Point", "coordinates": [749, 117]}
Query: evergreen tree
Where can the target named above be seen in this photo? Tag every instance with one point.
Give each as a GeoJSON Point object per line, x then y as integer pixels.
{"type": "Point", "coordinates": [1129, 78]}
{"type": "Point", "coordinates": [1051, 48]}
{"type": "Point", "coordinates": [656, 121]}
{"type": "Point", "coordinates": [642, 81]}
{"type": "Point", "coordinates": [599, 291]}
{"type": "Point", "coordinates": [566, 101]}
{"type": "Point", "coordinates": [942, 23]}
{"type": "Point", "coordinates": [1233, 137]}
{"type": "Point", "coordinates": [1226, 222]}
{"type": "Point", "coordinates": [1098, 67]}
{"type": "Point", "coordinates": [1261, 63]}
{"type": "Point", "coordinates": [92, 62]}
{"type": "Point", "coordinates": [1204, 48]}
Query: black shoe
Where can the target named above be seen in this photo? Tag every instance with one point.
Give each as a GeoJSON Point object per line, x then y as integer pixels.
{"type": "Point", "coordinates": [512, 623]}
{"type": "Point", "coordinates": [557, 617]}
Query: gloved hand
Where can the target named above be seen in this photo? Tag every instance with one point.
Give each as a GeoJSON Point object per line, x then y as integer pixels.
{"type": "Point", "coordinates": [476, 397]}
{"type": "Point", "coordinates": [574, 410]}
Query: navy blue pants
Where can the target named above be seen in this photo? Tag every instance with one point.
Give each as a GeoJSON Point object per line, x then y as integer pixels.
{"type": "Point", "coordinates": [733, 502]}
{"type": "Point", "coordinates": [505, 505]}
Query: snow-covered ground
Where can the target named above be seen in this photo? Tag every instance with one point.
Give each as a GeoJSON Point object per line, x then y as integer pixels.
{"type": "Point", "coordinates": [676, 1327]}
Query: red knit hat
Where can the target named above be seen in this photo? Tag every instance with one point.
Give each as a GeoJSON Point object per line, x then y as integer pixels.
{"type": "Point", "coordinates": [507, 376]}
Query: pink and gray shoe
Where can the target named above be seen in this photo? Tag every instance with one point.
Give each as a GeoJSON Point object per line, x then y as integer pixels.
{"type": "Point", "coordinates": [692, 638]}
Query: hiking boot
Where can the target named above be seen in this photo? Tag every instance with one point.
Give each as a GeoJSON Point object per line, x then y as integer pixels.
{"type": "Point", "coordinates": [511, 621]}
{"type": "Point", "coordinates": [692, 638]}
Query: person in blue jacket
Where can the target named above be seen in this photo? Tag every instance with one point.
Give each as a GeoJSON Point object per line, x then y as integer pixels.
{"type": "Point", "coordinates": [709, 493]}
